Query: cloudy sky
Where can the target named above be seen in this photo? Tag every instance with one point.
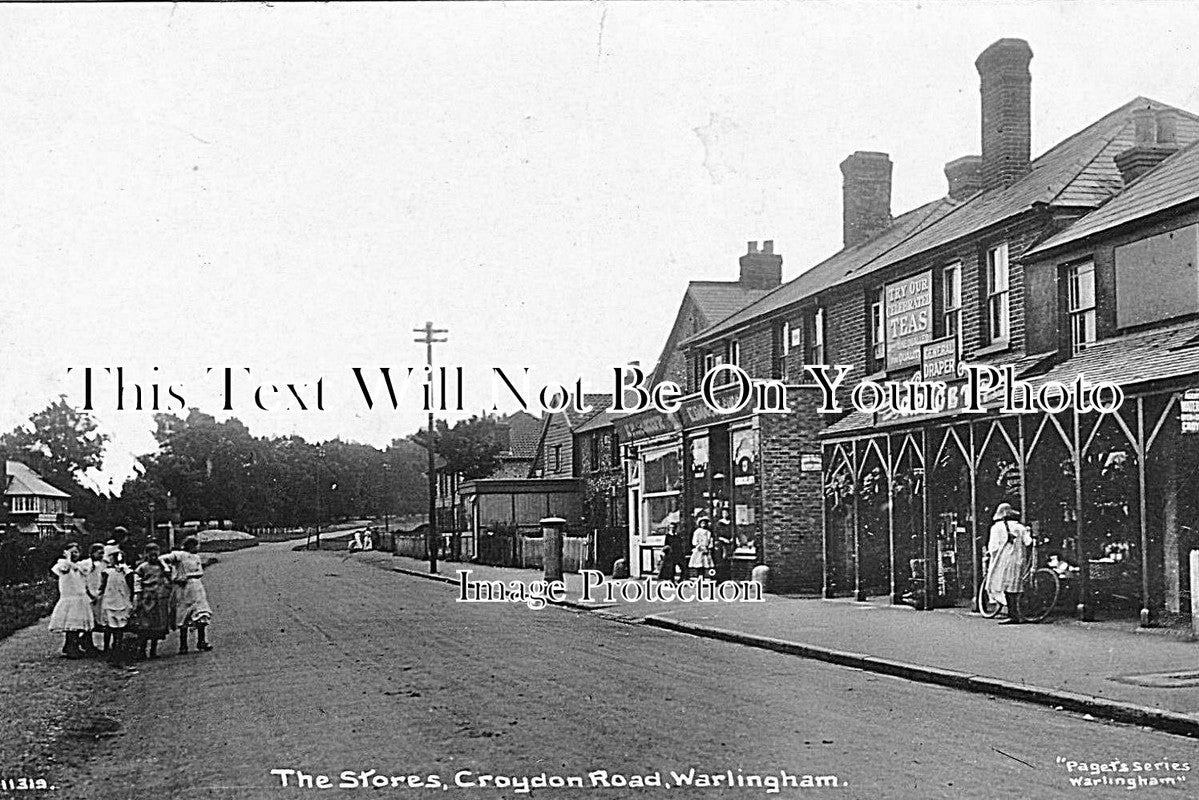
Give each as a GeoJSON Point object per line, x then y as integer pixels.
{"type": "Point", "coordinates": [294, 189]}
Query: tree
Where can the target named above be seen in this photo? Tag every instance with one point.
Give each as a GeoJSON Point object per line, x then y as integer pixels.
{"type": "Point", "coordinates": [60, 443]}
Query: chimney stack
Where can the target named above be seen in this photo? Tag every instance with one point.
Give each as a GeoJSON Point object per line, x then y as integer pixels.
{"type": "Point", "coordinates": [1005, 86]}
{"type": "Point", "coordinates": [1155, 133]}
{"type": "Point", "coordinates": [965, 176]}
{"type": "Point", "coordinates": [866, 196]}
{"type": "Point", "coordinates": [761, 269]}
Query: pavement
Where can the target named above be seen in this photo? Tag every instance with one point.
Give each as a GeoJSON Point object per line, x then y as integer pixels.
{"type": "Point", "coordinates": [1104, 670]}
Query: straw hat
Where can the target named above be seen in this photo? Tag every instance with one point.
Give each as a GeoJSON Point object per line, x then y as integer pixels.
{"type": "Point", "coordinates": [1005, 511]}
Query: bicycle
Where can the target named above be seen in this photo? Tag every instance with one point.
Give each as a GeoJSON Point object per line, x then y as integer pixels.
{"type": "Point", "coordinates": [1041, 588]}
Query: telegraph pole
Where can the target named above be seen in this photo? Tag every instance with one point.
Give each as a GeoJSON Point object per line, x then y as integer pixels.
{"type": "Point", "coordinates": [429, 338]}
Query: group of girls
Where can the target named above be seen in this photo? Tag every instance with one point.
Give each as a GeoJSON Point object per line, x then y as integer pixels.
{"type": "Point", "coordinates": [134, 608]}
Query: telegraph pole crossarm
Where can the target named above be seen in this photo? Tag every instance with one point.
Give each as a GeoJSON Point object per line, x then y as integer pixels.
{"type": "Point", "coordinates": [431, 336]}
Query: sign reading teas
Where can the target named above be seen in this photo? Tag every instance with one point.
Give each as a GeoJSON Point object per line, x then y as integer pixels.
{"type": "Point", "coordinates": [907, 311]}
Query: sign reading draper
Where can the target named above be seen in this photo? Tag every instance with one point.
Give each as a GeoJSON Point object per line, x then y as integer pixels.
{"type": "Point", "coordinates": [907, 311]}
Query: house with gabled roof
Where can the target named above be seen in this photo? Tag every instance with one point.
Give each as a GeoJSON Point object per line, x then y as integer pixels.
{"type": "Point", "coordinates": [34, 506]}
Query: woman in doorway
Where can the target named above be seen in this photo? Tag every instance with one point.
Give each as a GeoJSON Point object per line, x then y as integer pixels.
{"type": "Point", "coordinates": [1007, 548]}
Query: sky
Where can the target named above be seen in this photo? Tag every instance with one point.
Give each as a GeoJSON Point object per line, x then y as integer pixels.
{"type": "Point", "coordinates": [294, 189]}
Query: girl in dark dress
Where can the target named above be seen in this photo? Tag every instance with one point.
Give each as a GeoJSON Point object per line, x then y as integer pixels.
{"type": "Point", "coordinates": [153, 616]}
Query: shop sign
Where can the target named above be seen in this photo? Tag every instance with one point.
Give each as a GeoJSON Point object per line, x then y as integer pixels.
{"type": "Point", "coordinates": [694, 411]}
{"type": "Point", "coordinates": [644, 425]}
{"type": "Point", "coordinates": [907, 310]}
{"type": "Point", "coordinates": [810, 462]}
{"type": "Point", "coordinates": [1188, 411]}
{"type": "Point", "coordinates": [939, 360]}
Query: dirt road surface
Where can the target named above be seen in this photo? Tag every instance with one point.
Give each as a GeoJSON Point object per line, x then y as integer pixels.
{"type": "Point", "coordinates": [324, 664]}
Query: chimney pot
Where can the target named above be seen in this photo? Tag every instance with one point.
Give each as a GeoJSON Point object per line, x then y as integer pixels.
{"type": "Point", "coordinates": [866, 196]}
{"type": "Point", "coordinates": [1144, 126]}
{"type": "Point", "coordinates": [751, 247]}
{"type": "Point", "coordinates": [1154, 141]}
{"type": "Point", "coordinates": [964, 176]}
{"type": "Point", "coordinates": [761, 269]}
{"type": "Point", "coordinates": [1005, 86]}
{"type": "Point", "coordinates": [1167, 130]}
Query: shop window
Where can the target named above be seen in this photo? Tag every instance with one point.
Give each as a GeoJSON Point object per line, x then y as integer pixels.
{"type": "Point", "coordinates": [998, 300]}
{"type": "Point", "coordinates": [661, 484]}
{"type": "Point", "coordinates": [951, 301]}
{"type": "Point", "coordinates": [814, 337]}
{"type": "Point", "coordinates": [744, 517]}
{"type": "Point", "coordinates": [1157, 278]}
{"type": "Point", "coordinates": [1080, 305]}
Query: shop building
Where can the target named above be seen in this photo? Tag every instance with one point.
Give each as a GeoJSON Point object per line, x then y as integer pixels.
{"type": "Point", "coordinates": [907, 499]}
{"type": "Point", "coordinates": [1118, 300]}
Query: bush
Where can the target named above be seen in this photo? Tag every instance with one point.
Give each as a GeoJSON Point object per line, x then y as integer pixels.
{"type": "Point", "coordinates": [23, 604]}
{"type": "Point", "coordinates": [25, 559]}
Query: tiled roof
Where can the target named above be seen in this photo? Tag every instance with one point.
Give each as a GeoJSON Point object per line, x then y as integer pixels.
{"type": "Point", "coordinates": [718, 299]}
{"type": "Point", "coordinates": [598, 402]}
{"type": "Point", "coordinates": [604, 419]}
{"type": "Point", "coordinates": [832, 270]}
{"type": "Point", "coordinates": [1077, 172]}
{"type": "Point", "coordinates": [862, 422]}
{"type": "Point", "coordinates": [524, 435]}
{"type": "Point", "coordinates": [1174, 181]}
{"type": "Point", "coordinates": [26, 482]}
{"type": "Point", "coordinates": [1134, 358]}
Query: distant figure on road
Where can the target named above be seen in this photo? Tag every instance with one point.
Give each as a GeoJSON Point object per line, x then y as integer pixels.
{"type": "Point", "coordinates": [191, 601]}
{"type": "Point", "coordinates": [1008, 550]}
{"type": "Point", "coordinates": [72, 615]}
{"type": "Point", "coordinates": [701, 548]}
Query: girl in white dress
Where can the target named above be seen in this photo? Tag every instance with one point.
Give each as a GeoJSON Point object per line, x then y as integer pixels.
{"type": "Point", "coordinates": [701, 548]}
{"type": "Point", "coordinates": [72, 615]}
{"type": "Point", "coordinates": [115, 602]}
{"type": "Point", "coordinates": [191, 601]}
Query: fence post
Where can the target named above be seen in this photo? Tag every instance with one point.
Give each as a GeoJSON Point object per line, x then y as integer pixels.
{"type": "Point", "coordinates": [551, 547]}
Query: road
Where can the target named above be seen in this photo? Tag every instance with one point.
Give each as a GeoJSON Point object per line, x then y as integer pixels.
{"type": "Point", "coordinates": [324, 664]}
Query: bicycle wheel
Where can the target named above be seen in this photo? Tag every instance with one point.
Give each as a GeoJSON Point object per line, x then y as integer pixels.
{"type": "Point", "coordinates": [986, 606]}
{"type": "Point", "coordinates": [1040, 595]}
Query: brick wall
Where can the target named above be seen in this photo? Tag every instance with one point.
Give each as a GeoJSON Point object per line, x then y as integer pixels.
{"type": "Point", "coordinates": [791, 499]}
